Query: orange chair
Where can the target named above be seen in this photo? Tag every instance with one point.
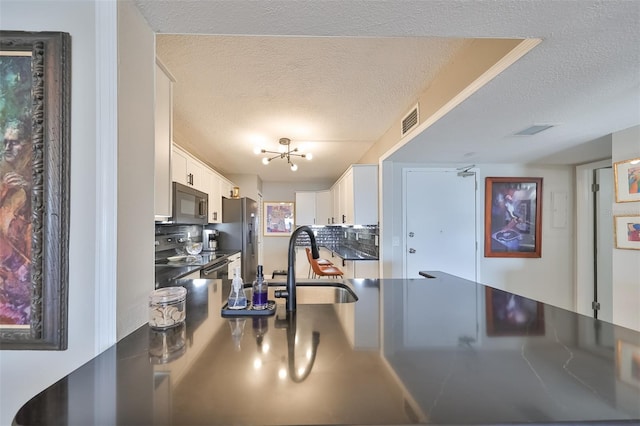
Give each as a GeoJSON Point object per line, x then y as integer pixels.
{"type": "Point", "coordinates": [322, 262]}
{"type": "Point", "coordinates": [323, 271]}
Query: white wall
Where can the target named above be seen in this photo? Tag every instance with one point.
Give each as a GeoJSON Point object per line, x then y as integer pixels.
{"type": "Point", "coordinates": [136, 143]}
{"type": "Point", "coordinates": [548, 279]}
{"type": "Point", "coordinates": [626, 263]}
{"type": "Point", "coordinates": [25, 373]}
{"type": "Point", "coordinates": [250, 185]}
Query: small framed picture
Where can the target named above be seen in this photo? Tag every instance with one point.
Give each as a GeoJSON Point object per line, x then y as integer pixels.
{"type": "Point", "coordinates": [279, 218]}
{"type": "Point", "coordinates": [627, 232]}
{"type": "Point", "coordinates": [627, 180]}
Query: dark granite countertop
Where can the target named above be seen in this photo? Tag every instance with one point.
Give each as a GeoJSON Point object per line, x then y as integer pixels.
{"type": "Point", "coordinates": [437, 350]}
{"type": "Point", "coordinates": [347, 253]}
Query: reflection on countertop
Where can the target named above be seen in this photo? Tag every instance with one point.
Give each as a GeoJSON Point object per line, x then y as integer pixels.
{"type": "Point", "coordinates": [407, 352]}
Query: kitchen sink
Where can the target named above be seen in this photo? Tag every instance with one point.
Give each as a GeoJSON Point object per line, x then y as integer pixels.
{"type": "Point", "coordinates": [317, 293]}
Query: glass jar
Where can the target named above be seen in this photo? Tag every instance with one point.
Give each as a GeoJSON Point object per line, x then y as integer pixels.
{"type": "Point", "coordinates": [167, 307]}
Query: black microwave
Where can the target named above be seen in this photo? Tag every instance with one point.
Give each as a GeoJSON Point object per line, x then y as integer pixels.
{"type": "Point", "coordinates": [190, 206]}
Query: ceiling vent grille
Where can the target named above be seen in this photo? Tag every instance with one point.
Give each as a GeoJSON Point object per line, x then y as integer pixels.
{"type": "Point", "coordinates": [410, 120]}
{"type": "Point", "coordinates": [530, 131]}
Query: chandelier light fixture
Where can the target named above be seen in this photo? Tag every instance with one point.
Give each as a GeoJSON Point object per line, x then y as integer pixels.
{"type": "Point", "coordinates": [284, 152]}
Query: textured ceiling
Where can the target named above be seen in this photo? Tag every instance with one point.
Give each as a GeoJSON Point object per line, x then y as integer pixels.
{"type": "Point", "coordinates": [334, 76]}
{"type": "Point", "coordinates": [252, 91]}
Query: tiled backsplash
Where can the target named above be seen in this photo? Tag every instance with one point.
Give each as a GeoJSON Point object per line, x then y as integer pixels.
{"type": "Point", "coordinates": [361, 238]}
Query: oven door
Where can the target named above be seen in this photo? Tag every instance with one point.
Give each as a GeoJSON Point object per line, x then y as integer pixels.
{"type": "Point", "coordinates": [215, 271]}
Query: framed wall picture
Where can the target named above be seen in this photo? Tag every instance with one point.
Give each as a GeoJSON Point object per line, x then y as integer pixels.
{"type": "Point", "coordinates": [512, 315]}
{"type": "Point", "coordinates": [627, 232]}
{"type": "Point", "coordinates": [627, 180]}
{"type": "Point", "coordinates": [513, 217]}
{"type": "Point", "coordinates": [279, 218]}
{"type": "Point", "coordinates": [35, 69]}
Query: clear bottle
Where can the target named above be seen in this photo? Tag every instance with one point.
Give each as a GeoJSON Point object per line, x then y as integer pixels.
{"type": "Point", "coordinates": [260, 291]}
{"type": "Point", "coordinates": [237, 296]}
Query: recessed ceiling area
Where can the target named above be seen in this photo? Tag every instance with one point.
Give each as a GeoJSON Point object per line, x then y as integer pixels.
{"type": "Point", "coordinates": [332, 96]}
{"type": "Point", "coordinates": [346, 73]}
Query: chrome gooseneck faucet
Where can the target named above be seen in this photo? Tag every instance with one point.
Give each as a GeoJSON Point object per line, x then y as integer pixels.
{"type": "Point", "coordinates": [290, 292]}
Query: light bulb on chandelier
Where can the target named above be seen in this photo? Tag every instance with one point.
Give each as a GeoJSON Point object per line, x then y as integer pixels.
{"type": "Point", "coordinates": [284, 152]}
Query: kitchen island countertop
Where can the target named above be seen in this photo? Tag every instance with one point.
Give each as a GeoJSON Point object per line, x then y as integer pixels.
{"type": "Point", "coordinates": [448, 351]}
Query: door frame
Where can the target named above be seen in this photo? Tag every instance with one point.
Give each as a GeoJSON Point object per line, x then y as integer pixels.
{"type": "Point", "coordinates": [585, 216]}
{"type": "Point", "coordinates": [478, 210]}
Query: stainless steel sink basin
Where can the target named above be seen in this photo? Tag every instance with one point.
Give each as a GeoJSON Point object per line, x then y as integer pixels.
{"type": "Point", "coordinates": [317, 293]}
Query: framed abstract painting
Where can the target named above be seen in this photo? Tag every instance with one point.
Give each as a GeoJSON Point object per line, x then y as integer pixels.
{"type": "Point", "coordinates": [627, 180]}
{"type": "Point", "coordinates": [279, 218]}
{"type": "Point", "coordinates": [35, 72]}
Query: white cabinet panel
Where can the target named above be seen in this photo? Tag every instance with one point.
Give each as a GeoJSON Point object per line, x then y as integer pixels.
{"type": "Point", "coordinates": [187, 170]}
{"type": "Point", "coordinates": [324, 207]}
{"type": "Point", "coordinates": [162, 152]}
{"type": "Point", "coordinates": [179, 166]}
{"type": "Point", "coordinates": [215, 198]}
{"type": "Point", "coordinates": [355, 196]}
{"type": "Point", "coordinates": [305, 208]}
{"type": "Point", "coordinates": [335, 208]}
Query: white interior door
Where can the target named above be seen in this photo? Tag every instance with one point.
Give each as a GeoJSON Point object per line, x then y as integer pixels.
{"type": "Point", "coordinates": [440, 225]}
{"type": "Point", "coordinates": [604, 243]}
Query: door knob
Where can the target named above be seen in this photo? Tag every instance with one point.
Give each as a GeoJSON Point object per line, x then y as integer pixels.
{"type": "Point", "coordinates": [412, 250]}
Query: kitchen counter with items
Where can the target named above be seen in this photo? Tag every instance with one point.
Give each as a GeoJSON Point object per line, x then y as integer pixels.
{"type": "Point", "coordinates": [450, 351]}
{"type": "Point", "coordinates": [167, 271]}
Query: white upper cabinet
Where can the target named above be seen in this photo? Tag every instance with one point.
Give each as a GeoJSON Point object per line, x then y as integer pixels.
{"type": "Point", "coordinates": [335, 207]}
{"type": "Point", "coordinates": [357, 195]}
{"type": "Point", "coordinates": [324, 207]}
{"type": "Point", "coordinates": [163, 131]}
{"type": "Point", "coordinates": [190, 171]}
{"type": "Point", "coordinates": [215, 198]}
{"type": "Point", "coordinates": [305, 208]}
{"type": "Point", "coordinates": [187, 170]}
{"type": "Point", "coordinates": [314, 208]}
{"type": "Point", "coordinates": [226, 188]}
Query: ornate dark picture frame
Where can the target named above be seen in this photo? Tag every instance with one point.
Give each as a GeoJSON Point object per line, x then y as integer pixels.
{"type": "Point", "coordinates": [34, 234]}
{"type": "Point", "coordinates": [513, 217]}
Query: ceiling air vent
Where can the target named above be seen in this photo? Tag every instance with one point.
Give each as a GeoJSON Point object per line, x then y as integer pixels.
{"type": "Point", "coordinates": [530, 131]}
{"type": "Point", "coordinates": [410, 120]}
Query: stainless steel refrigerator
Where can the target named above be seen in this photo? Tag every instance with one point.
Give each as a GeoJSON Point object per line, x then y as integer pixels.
{"type": "Point", "coordinates": [238, 232]}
